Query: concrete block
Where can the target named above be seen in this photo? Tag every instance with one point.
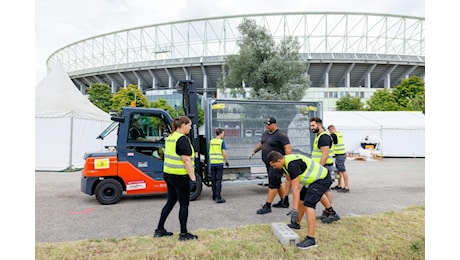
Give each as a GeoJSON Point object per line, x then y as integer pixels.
{"type": "Point", "coordinates": [285, 234]}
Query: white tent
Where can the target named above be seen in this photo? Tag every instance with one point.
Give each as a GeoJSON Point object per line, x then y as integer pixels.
{"type": "Point", "coordinates": [66, 124]}
{"type": "Point", "coordinates": [402, 133]}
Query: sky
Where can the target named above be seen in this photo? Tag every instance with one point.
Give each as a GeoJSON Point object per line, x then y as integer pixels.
{"type": "Point", "coordinates": [60, 22]}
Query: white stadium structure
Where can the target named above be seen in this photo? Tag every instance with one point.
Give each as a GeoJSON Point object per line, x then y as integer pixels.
{"type": "Point", "coordinates": [355, 53]}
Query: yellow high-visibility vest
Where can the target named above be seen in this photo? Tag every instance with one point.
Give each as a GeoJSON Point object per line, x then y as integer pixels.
{"type": "Point", "coordinates": [316, 153]}
{"type": "Point", "coordinates": [215, 151]}
{"type": "Point", "coordinates": [313, 172]}
{"type": "Point", "coordinates": [173, 162]}
{"type": "Point", "coordinates": [339, 148]}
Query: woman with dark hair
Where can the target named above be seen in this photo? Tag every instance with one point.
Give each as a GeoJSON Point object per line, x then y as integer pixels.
{"type": "Point", "coordinates": [178, 173]}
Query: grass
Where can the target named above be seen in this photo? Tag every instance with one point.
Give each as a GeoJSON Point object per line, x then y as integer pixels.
{"type": "Point", "coordinates": [392, 235]}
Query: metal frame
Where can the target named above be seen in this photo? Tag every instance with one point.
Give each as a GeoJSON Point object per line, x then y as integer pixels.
{"type": "Point", "coordinates": [339, 50]}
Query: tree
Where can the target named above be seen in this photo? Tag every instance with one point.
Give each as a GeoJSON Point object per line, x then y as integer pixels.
{"type": "Point", "coordinates": [416, 104]}
{"type": "Point", "coordinates": [272, 72]}
{"type": "Point", "coordinates": [163, 104]}
{"type": "Point", "coordinates": [157, 123]}
{"type": "Point", "coordinates": [410, 94]}
{"type": "Point", "coordinates": [99, 94]}
{"type": "Point", "coordinates": [125, 96]}
{"type": "Point", "coordinates": [349, 103]}
{"type": "Point", "coordinates": [200, 114]}
{"type": "Point", "coordinates": [382, 100]}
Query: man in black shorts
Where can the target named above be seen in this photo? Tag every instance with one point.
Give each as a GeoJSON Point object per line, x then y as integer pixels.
{"type": "Point", "coordinates": [273, 140]}
{"type": "Point", "coordinates": [314, 179]}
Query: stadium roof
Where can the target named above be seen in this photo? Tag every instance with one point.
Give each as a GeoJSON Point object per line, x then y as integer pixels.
{"type": "Point", "coordinates": [339, 50]}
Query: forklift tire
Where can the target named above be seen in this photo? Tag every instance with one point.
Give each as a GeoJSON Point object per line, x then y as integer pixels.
{"type": "Point", "coordinates": [108, 191]}
{"type": "Point", "coordinates": [195, 193]}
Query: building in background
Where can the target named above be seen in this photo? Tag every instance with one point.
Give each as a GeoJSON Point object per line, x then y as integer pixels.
{"type": "Point", "coordinates": [344, 53]}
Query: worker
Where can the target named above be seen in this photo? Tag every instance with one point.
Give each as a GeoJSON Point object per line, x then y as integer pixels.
{"type": "Point", "coordinates": [136, 132]}
{"type": "Point", "coordinates": [338, 148]}
{"type": "Point", "coordinates": [320, 154]}
{"type": "Point", "coordinates": [273, 140]}
{"type": "Point", "coordinates": [179, 175]}
{"type": "Point", "coordinates": [218, 156]}
{"type": "Point", "coordinates": [302, 171]}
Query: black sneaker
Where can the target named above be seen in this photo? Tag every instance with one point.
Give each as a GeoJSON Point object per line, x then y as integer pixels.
{"type": "Point", "coordinates": [285, 202]}
{"type": "Point", "coordinates": [187, 236]}
{"type": "Point", "coordinates": [344, 190]}
{"type": "Point", "coordinates": [322, 216]}
{"type": "Point", "coordinates": [264, 210]}
{"type": "Point", "coordinates": [336, 188]}
{"type": "Point", "coordinates": [279, 205]}
{"type": "Point", "coordinates": [162, 233]}
{"type": "Point", "coordinates": [307, 243]}
{"type": "Point", "coordinates": [220, 200]}
{"type": "Point", "coordinates": [294, 225]}
{"type": "Point", "coordinates": [331, 217]}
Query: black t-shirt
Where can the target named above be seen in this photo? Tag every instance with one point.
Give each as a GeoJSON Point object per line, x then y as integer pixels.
{"type": "Point", "coordinates": [183, 146]}
{"type": "Point", "coordinates": [324, 140]}
{"type": "Point", "coordinates": [334, 138]}
{"type": "Point", "coordinates": [273, 142]}
{"type": "Point", "coordinates": [296, 167]}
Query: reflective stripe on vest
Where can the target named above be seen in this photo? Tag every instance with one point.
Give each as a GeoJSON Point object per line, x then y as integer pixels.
{"type": "Point", "coordinates": [339, 148]}
{"type": "Point", "coordinates": [316, 153]}
{"type": "Point", "coordinates": [312, 173]}
{"type": "Point", "coordinates": [215, 151]}
{"type": "Point", "coordinates": [173, 162]}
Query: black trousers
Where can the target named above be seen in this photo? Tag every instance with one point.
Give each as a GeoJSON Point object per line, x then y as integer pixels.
{"type": "Point", "coordinates": [178, 190]}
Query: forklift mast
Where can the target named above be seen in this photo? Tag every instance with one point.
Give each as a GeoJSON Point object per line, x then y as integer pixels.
{"type": "Point", "coordinates": [190, 106]}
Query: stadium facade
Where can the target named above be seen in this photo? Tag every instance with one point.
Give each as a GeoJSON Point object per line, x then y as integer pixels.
{"type": "Point", "coordinates": [355, 53]}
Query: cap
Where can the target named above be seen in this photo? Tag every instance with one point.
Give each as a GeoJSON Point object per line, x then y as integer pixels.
{"type": "Point", "coordinates": [270, 120]}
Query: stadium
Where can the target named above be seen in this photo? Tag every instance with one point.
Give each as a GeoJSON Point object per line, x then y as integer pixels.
{"type": "Point", "coordinates": [354, 53]}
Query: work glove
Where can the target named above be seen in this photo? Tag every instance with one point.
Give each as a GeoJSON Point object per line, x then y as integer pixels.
{"type": "Point", "coordinates": [227, 165]}
{"type": "Point", "coordinates": [193, 185]}
{"type": "Point", "coordinates": [250, 156]}
{"type": "Point", "coordinates": [294, 216]}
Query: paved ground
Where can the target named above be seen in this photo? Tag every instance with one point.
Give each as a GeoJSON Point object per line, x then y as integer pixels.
{"type": "Point", "coordinates": [64, 213]}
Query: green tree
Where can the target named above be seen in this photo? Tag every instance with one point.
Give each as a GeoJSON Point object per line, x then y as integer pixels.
{"type": "Point", "coordinates": [273, 72]}
{"type": "Point", "coordinates": [416, 104]}
{"type": "Point", "coordinates": [349, 103]}
{"type": "Point", "coordinates": [125, 96]}
{"type": "Point", "coordinates": [157, 123]}
{"type": "Point", "coordinates": [200, 114]}
{"type": "Point", "coordinates": [163, 104]}
{"type": "Point", "coordinates": [382, 100]}
{"type": "Point", "coordinates": [99, 94]}
{"type": "Point", "coordinates": [410, 94]}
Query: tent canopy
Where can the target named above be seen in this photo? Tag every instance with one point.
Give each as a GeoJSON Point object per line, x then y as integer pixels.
{"type": "Point", "coordinates": [402, 132]}
{"type": "Point", "coordinates": [66, 124]}
{"type": "Point", "coordinates": [57, 97]}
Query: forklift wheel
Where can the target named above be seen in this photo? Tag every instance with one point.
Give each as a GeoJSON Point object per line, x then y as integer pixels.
{"type": "Point", "coordinates": [109, 191]}
{"type": "Point", "coordinates": [195, 192]}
